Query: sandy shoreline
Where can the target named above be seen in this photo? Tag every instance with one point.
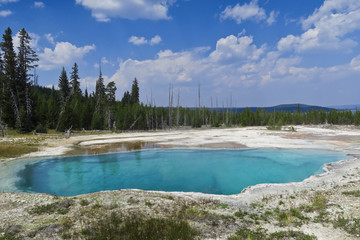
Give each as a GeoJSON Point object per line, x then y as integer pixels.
{"type": "Point", "coordinates": [343, 174]}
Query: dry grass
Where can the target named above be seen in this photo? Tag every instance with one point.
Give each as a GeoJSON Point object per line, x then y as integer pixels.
{"type": "Point", "coordinates": [9, 150]}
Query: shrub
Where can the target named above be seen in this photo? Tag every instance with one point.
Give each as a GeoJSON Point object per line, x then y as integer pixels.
{"type": "Point", "coordinates": [41, 129]}
{"type": "Point", "coordinates": [118, 227]}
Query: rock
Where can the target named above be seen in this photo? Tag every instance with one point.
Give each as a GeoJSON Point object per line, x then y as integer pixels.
{"type": "Point", "coordinates": [51, 230]}
{"type": "Point", "coordinates": [13, 229]}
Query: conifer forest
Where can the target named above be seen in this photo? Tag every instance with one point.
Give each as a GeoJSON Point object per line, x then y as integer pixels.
{"type": "Point", "coordinates": [26, 106]}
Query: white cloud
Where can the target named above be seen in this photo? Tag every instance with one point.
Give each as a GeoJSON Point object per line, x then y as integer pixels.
{"type": "Point", "coordinates": [39, 4]}
{"type": "Point", "coordinates": [137, 40]}
{"type": "Point", "coordinates": [103, 61]}
{"type": "Point", "coordinates": [355, 63]}
{"type": "Point", "coordinates": [5, 13]}
{"type": "Point", "coordinates": [8, 1]}
{"type": "Point", "coordinates": [142, 41]}
{"type": "Point", "coordinates": [329, 7]}
{"type": "Point", "coordinates": [272, 18]}
{"type": "Point", "coordinates": [327, 28]}
{"type": "Point", "coordinates": [248, 11]}
{"type": "Point", "coordinates": [234, 48]}
{"type": "Point", "coordinates": [103, 11]}
{"type": "Point", "coordinates": [50, 38]}
{"type": "Point", "coordinates": [155, 40]}
{"type": "Point", "coordinates": [63, 54]}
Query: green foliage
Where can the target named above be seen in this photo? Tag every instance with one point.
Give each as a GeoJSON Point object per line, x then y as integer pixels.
{"type": "Point", "coordinates": [9, 236]}
{"type": "Point", "coordinates": [64, 86]}
{"type": "Point", "coordinates": [355, 193]}
{"type": "Point", "coordinates": [40, 128]}
{"type": "Point", "coordinates": [261, 234]}
{"type": "Point", "coordinates": [119, 227]}
{"type": "Point", "coordinates": [240, 214]}
{"type": "Point", "coordinates": [248, 234]}
{"type": "Point", "coordinates": [350, 225]}
{"type": "Point", "coordinates": [62, 207]}
{"type": "Point", "coordinates": [134, 97]}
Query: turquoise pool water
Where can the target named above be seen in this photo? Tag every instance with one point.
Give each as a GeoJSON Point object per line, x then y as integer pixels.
{"type": "Point", "coordinates": [207, 171]}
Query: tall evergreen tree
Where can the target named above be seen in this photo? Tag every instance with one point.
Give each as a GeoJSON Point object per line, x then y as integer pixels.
{"type": "Point", "coordinates": [64, 121]}
{"type": "Point", "coordinates": [11, 105]}
{"type": "Point", "coordinates": [98, 117]}
{"type": "Point", "coordinates": [74, 81]}
{"type": "Point", "coordinates": [135, 92]}
{"type": "Point", "coordinates": [64, 86]}
{"type": "Point", "coordinates": [26, 60]}
{"type": "Point", "coordinates": [110, 100]}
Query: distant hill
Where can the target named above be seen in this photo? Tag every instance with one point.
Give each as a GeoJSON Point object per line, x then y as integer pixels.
{"type": "Point", "coordinates": [282, 108]}
{"type": "Point", "coordinates": [347, 107]}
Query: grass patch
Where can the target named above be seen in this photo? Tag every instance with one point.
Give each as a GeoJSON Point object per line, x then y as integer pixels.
{"type": "Point", "coordinates": [117, 227]}
{"type": "Point", "coordinates": [11, 150]}
{"type": "Point", "coordinates": [261, 234]}
{"type": "Point", "coordinates": [84, 202]}
{"type": "Point", "coordinates": [355, 193]}
{"type": "Point", "coordinates": [8, 236]}
{"type": "Point", "coordinates": [222, 205]}
{"type": "Point", "coordinates": [291, 235]}
{"type": "Point", "coordinates": [351, 226]}
{"type": "Point", "coordinates": [244, 233]}
{"type": "Point", "coordinates": [293, 216]}
{"type": "Point", "coordinates": [62, 207]}
{"type": "Point", "coordinates": [240, 214]}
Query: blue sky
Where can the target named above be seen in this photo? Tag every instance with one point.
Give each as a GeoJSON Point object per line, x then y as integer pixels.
{"type": "Point", "coordinates": [248, 52]}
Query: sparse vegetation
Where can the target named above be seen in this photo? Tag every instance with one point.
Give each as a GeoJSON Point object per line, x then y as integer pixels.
{"type": "Point", "coordinates": [61, 207]}
{"type": "Point", "coordinates": [355, 193]}
{"type": "Point", "coordinates": [262, 234]}
{"type": "Point", "coordinates": [119, 227]}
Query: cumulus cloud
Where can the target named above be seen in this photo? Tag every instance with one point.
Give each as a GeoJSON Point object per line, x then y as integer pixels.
{"type": "Point", "coordinates": [103, 11]}
{"type": "Point", "coordinates": [39, 4]}
{"type": "Point", "coordinates": [327, 28]}
{"type": "Point", "coordinates": [248, 11]}
{"type": "Point", "coordinates": [330, 7]}
{"type": "Point", "coordinates": [50, 38]}
{"type": "Point", "coordinates": [234, 48]}
{"type": "Point", "coordinates": [5, 13]}
{"type": "Point", "coordinates": [155, 40]}
{"type": "Point", "coordinates": [64, 53]}
{"type": "Point", "coordinates": [142, 41]}
{"type": "Point", "coordinates": [235, 63]}
{"type": "Point", "coordinates": [219, 67]}
{"type": "Point", "coordinates": [137, 40]}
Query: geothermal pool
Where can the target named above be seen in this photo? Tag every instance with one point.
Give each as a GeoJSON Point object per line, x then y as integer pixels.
{"type": "Point", "coordinates": [208, 171]}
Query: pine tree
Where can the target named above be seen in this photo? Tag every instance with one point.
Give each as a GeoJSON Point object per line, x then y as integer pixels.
{"type": "Point", "coordinates": [134, 92]}
{"type": "Point", "coordinates": [74, 81]}
{"type": "Point", "coordinates": [11, 109]}
{"type": "Point", "coordinates": [110, 99]}
{"type": "Point", "coordinates": [26, 60]}
{"type": "Point", "coordinates": [98, 117]}
{"type": "Point", "coordinates": [64, 121]}
{"type": "Point", "coordinates": [64, 86]}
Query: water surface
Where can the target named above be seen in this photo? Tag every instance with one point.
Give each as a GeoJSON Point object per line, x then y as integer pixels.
{"type": "Point", "coordinates": [208, 171]}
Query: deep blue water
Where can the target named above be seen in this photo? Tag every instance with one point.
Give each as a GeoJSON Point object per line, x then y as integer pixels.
{"type": "Point", "coordinates": [208, 171]}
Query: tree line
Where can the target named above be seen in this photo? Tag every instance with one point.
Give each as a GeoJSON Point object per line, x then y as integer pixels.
{"type": "Point", "coordinates": [25, 106]}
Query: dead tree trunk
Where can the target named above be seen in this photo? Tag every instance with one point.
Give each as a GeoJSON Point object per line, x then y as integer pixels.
{"type": "Point", "coordinates": [178, 110]}
{"type": "Point", "coordinates": [15, 107]}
